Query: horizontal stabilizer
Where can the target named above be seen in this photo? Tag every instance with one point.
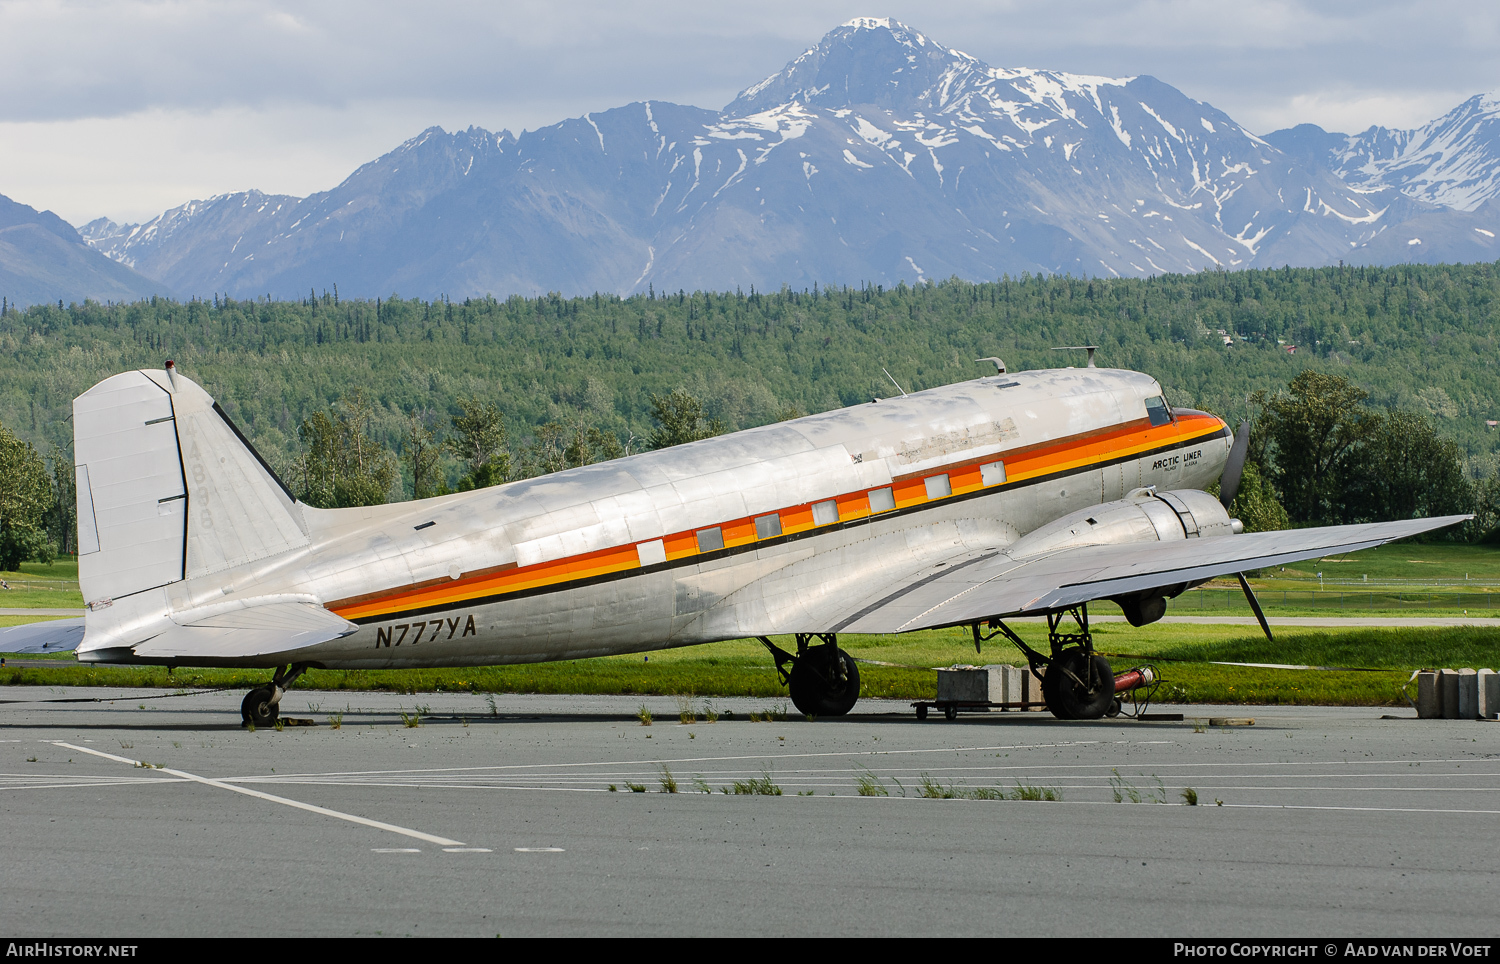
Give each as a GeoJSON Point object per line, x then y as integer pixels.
{"type": "Point", "coordinates": [263, 630]}
{"type": "Point", "coordinates": [977, 585]}
{"type": "Point", "coordinates": [48, 636]}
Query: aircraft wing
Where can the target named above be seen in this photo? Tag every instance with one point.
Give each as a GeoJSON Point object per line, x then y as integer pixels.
{"type": "Point", "coordinates": [47, 636]}
{"type": "Point", "coordinates": [977, 585]}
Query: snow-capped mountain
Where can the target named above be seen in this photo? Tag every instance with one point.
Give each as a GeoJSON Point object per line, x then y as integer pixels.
{"type": "Point", "coordinates": [1453, 161]}
{"type": "Point", "coordinates": [877, 155]}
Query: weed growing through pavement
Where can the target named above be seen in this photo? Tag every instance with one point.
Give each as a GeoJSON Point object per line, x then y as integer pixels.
{"type": "Point", "coordinates": [411, 721]}
{"type": "Point", "coordinates": [1122, 789]}
{"type": "Point", "coordinates": [1190, 796]}
{"type": "Point", "coordinates": [278, 724]}
{"type": "Point", "coordinates": [314, 707]}
{"type": "Point", "coordinates": [1025, 791]}
{"type": "Point", "coordinates": [701, 785]}
{"type": "Point", "coordinates": [769, 715]}
{"type": "Point", "coordinates": [335, 721]}
{"type": "Point", "coordinates": [644, 715]}
{"type": "Point", "coordinates": [869, 785]}
{"type": "Point", "coordinates": [31, 759]}
{"type": "Point", "coordinates": [934, 790]}
{"type": "Point", "coordinates": [490, 699]}
{"type": "Point", "coordinates": [127, 746]}
{"type": "Point", "coordinates": [635, 787]}
{"type": "Point", "coordinates": [685, 712]}
{"type": "Point", "coordinates": [710, 715]}
{"type": "Point", "coordinates": [612, 788]}
{"type": "Point", "coordinates": [761, 786]}
{"type": "Point", "coordinates": [667, 781]}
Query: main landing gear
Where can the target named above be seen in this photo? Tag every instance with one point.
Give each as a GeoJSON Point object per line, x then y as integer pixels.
{"type": "Point", "coordinates": [823, 679]}
{"type": "Point", "coordinates": [1076, 681]}
{"type": "Point", "coordinates": [261, 705]}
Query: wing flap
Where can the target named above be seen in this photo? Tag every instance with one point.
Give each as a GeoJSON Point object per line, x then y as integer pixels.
{"type": "Point", "coordinates": [264, 630]}
{"type": "Point", "coordinates": [48, 636]}
{"type": "Point", "coordinates": [996, 584]}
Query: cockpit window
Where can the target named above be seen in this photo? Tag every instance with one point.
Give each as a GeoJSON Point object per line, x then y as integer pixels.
{"type": "Point", "coordinates": [1156, 409]}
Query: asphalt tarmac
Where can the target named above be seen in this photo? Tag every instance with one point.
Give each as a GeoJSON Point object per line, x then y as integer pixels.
{"type": "Point", "coordinates": [496, 817]}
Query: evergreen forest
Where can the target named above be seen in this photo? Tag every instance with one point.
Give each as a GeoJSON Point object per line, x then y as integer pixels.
{"type": "Point", "coordinates": [602, 371]}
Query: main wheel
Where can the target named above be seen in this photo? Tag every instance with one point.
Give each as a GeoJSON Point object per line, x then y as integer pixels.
{"type": "Point", "coordinates": [1088, 697]}
{"type": "Point", "coordinates": [258, 710]}
{"type": "Point", "coordinates": [825, 682]}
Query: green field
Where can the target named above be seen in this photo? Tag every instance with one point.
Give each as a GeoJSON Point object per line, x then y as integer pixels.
{"type": "Point", "coordinates": [1452, 563]}
{"type": "Point", "coordinates": [901, 667]}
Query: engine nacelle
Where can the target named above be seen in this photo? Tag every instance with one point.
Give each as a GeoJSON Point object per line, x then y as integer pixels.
{"type": "Point", "coordinates": [1142, 516]}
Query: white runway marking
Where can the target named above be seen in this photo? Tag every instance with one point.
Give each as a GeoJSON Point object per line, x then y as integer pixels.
{"type": "Point", "coordinates": [395, 850]}
{"type": "Point", "coordinates": [467, 850]}
{"type": "Point", "coordinates": [1292, 806]}
{"type": "Point", "coordinates": [310, 808]}
{"type": "Point", "coordinates": [540, 850]}
{"type": "Point", "coordinates": [721, 759]}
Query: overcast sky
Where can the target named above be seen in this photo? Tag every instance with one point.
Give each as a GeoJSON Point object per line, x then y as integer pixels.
{"type": "Point", "coordinates": [123, 108]}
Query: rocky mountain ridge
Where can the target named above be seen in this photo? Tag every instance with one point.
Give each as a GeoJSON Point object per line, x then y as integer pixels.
{"type": "Point", "coordinates": [876, 155]}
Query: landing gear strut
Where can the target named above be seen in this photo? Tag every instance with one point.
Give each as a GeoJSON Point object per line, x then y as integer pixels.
{"type": "Point", "coordinates": [823, 679]}
{"type": "Point", "coordinates": [261, 705]}
{"type": "Point", "coordinates": [1076, 681]}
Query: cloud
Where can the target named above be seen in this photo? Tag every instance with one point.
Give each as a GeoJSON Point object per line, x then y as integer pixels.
{"type": "Point", "coordinates": [127, 106]}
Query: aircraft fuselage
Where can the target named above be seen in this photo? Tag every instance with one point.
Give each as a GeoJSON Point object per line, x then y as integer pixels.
{"type": "Point", "coordinates": [773, 529]}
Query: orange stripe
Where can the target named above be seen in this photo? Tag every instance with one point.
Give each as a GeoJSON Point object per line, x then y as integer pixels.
{"type": "Point", "coordinates": [1020, 464]}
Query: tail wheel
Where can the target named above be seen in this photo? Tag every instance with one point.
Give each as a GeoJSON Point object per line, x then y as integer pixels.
{"type": "Point", "coordinates": [257, 710]}
{"type": "Point", "coordinates": [824, 682]}
{"type": "Point", "coordinates": [1078, 686]}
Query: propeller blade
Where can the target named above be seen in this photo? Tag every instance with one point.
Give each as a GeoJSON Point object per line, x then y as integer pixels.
{"type": "Point", "coordinates": [1229, 482]}
{"type": "Point", "coordinates": [1265, 627]}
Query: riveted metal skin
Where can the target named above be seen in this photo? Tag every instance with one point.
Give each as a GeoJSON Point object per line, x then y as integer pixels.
{"type": "Point", "coordinates": [667, 548]}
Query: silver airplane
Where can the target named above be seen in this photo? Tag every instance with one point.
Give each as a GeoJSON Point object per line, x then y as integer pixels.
{"type": "Point", "coordinates": [1023, 493]}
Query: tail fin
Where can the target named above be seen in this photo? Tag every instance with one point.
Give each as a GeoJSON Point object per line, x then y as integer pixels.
{"type": "Point", "coordinates": [168, 488]}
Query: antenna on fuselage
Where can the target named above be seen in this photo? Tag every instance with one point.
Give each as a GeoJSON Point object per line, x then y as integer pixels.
{"type": "Point", "coordinates": [896, 383]}
{"type": "Point", "coordinates": [999, 365]}
{"type": "Point", "coordinates": [1089, 348]}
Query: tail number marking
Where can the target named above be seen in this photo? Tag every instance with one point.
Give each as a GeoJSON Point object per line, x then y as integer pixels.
{"type": "Point", "coordinates": [433, 628]}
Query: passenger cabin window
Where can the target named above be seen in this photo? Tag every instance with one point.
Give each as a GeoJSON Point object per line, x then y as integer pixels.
{"type": "Point", "coordinates": [1157, 411]}
{"type": "Point", "coordinates": [767, 526]}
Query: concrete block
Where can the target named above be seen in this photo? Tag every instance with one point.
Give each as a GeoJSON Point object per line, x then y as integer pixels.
{"type": "Point", "coordinates": [1031, 690]}
{"type": "Point", "coordinates": [1429, 697]}
{"type": "Point", "coordinates": [1468, 695]}
{"type": "Point", "coordinates": [1489, 694]}
{"type": "Point", "coordinates": [963, 684]}
{"type": "Point", "coordinates": [1005, 683]}
{"type": "Point", "coordinates": [1448, 685]}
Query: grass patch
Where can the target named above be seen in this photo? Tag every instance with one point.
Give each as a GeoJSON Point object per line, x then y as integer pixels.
{"type": "Point", "coordinates": [897, 667]}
